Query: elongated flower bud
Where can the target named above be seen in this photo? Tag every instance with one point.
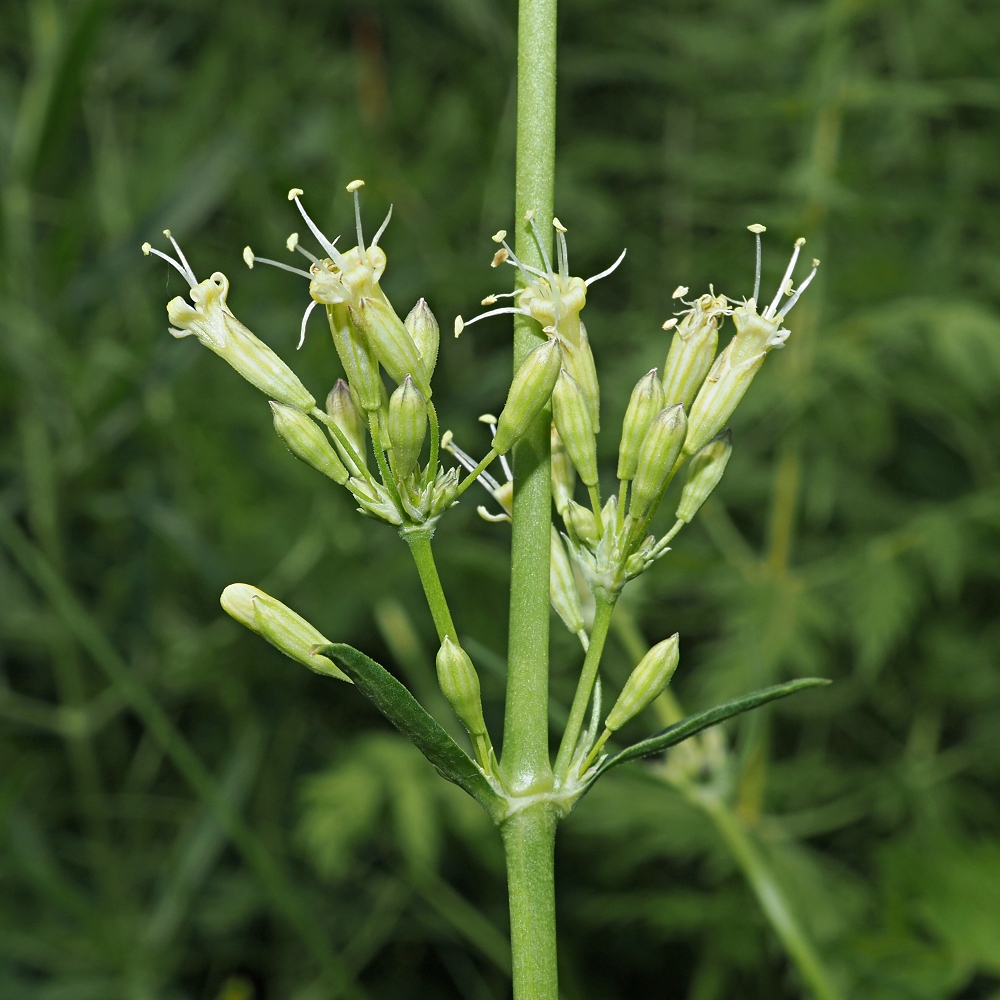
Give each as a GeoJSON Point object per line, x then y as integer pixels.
{"type": "Point", "coordinates": [423, 328]}
{"type": "Point", "coordinates": [657, 455]}
{"type": "Point", "coordinates": [342, 411]}
{"type": "Point", "coordinates": [731, 375]}
{"type": "Point", "coordinates": [563, 593]}
{"type": "Point", "coordinates": [579, 362]}
{"type": "Point", "coordinates": [356, 356]}
{"type": "Point", "coordinates": [563, 473]}
{"type": "Point", "coordinates": [306, 441]}
{"type": "Point", "coordinates": [210, 320]}
{"type": "Point", "coordinates": [407, 426]}
{"type": "Point", "coordinates": [692, 351]}
{"type": "Point", "coordinates": [571, 414]}
{"type": "Point", "coordinates": [643, 405]}
{"type": "Point", "coordinates": [528, 394]}
{"type": "Point", "coordinates": [280, 626]}
{"type": "Point", "coordinates": [648, 681]}
{"type": "Point", "coordinates": [391, 342]}
{"type": "Point", "coordinates": [703, 476]}
{"type": "Point", "coordinates": [460, 685]}
{"type": "Point", "coordinates": [582, 522]}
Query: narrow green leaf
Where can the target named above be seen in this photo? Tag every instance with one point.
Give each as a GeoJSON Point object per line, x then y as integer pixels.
{"type": "Point", "coordinates": [694, 724]}
{"type": "Point", "coordinates": [412, 720]}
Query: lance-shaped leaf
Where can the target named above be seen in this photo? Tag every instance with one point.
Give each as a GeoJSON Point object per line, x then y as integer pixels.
{"type": "Point", "coordinates": [411, 719]}
{"type": "Point", "coordinates": [694, 724]}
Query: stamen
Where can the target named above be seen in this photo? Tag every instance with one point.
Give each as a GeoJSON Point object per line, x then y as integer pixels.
{"type": "Point", "coordinates": [461, 324]}
{"type": "Point", "coordinates": [670, 323]}
{"type": "Point", "coordinates": [468, 462]}
{"type": "Point", "coordinates": [148, 249]}
{"type": "Point", "coordinates": [180, 254]}
{"type": "Point", "coordinates": [305, 319]}
{"type": "Point", "coordinates": [491, 422]}
{"type": "Point", "coordinates": [251, 259]}
{"type": "Point", "coordinates": [382, 228]}
{"type": "Point", "coordinates": [292, 243]}
{"type": "Point", "coordinates": [757, 229]}
{"type": "Point", "coordinates": [607, 271]}
{"type": "Point", "coordinates": [329, 247]}
{"type": "Point", "coordinates": [679, 292]}
{"type": "Point", "coordinates": [799, 244]}
{"type": "Point", "coordinates": [499, 236]}
{"type": "Point", "coordinates": [530, 216]}
{"type": "Point", "coordinates": [353, 188]}
{"type": "Point", "coordinates": [787, 307]}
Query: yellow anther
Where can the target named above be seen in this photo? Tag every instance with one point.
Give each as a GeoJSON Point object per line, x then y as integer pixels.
{"type": "Point", "coordinates": [459, 325]}
{"type": "Point", "coordinates": [499, 236]}
{"type": "Point", "coordinates": [815, 262]}
{"type": "Point", "coordinates": [446, 440]}
{"type": "Point", "coordinates": [757, 228]}
{"type": "Point", "coordinates": [558, 225]}
{"type": "Point", "coordinates": [487, 418]}
{"type": "Point", "coordinates": [801, 241]}
{"type": "Point", "coordinates": [354, 185]}
{"type": "Point", "coordinates": [787, 289]}
{"type": "Point", "coordinates": [670, 323]}
{"type": "Point", "coordinates": [489, 300]}
{"type": "Point", "coordinates": [295, 193]}
{"type": "Point", "coordinates": [146, 247]}
{"type": "Point", "coordinates": [679, 292]}
{"type": "Point", "coordinates": [292, 242]}
{"type": "Point", "coordinates": [248, 257]}
{"type": "Point", "coordinates": [167, 233]}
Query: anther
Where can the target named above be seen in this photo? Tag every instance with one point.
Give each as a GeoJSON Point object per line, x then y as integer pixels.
{"type": "Point", "coordinates": [679, 292]}
{"type": "Point", "coordinates": [499, 236]}
{"type": "Point", "coordinates": [146, 247]}
{"type": "Point", "coordinates": [490, 300]}
{"type": "Point", "coordinates": [757, 228]}
{"type": "Point", "coordinates": [558, 225]}
{"type": "Point", "coordinates": [487, 418]}
{"type": "Point", "coordinates": [801, 241]}
{"type": "Point", "coordinates": [499, 257]}
{"type": "Point", "coordinates": [295, 193]}
{"type": "Point", "coordinates": [354, 185]}
{"type": "Point", "coordinates": [459, 326]}
{"type": "Point", "coordinates": [292, 242]}
{"type": "Point", "coordinates": [248, 257]}
{"type": "Point", "coordinates": [529, 215]}
{"type": "Point", "coordinates": [815, 262]}
{"type": "Point", "coordinates": [670, 323]}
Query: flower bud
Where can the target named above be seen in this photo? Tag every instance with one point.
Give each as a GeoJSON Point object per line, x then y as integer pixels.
{"type": "Point", "coordinates": [423, 328]}
{"type": "Point", "coordinates": [563, 473]}
{"type": "Point", "coordinates": [703, 476]}
{"type": "Point", "coordinates": [280, 626]}
{"type": "Point", "coordinates": [407, 427]}
{"type": "Point", "coordinates": [692, 351]}
{"type": "Point", "coordinates": [571, 414]}
{"type": "Point", "coordinates": [460, 685]}
{"type": "Point", "coordinates": [731, 375]}
{"type": "Point", "coordinates": [528, 394]}
{"type": "Point", "coordinates": [657, 455]}
{"type": "Point", "coordinates": [643, 405]}
{"type": "Point", "coordinates": [563, 593]}
{"type": "Point", "coordinates": [391, 342]}
{"type": "Point", "coordinates": [357, 357]}
{"type": "Point", "coordinates": [342, 411]}
{"type": "Point", "coordinates": [648, 681]}
{"type": "Point", "coordinates": [211, 321]}
{"type": "Point", "coordinates": [579, 362]}
{"type": "Point", "coordinates": [306, 441]}
{"type": "Point", "coordinates": [582, 522]}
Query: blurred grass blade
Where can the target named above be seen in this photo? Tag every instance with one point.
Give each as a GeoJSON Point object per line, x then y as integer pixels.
{"type": "Point", "coordinates": [694, 724]}
{"type": "Point", "coordinates": [413, 721]}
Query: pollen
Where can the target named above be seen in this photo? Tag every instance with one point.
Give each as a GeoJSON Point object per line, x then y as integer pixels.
{"type": "Point", "coordinates": [679, 292]}
{"type": "Point", "coordinates": [499, 236]}
{"type": "Point", "coordinates": [670, 323]}
{"type": "Point", "coordinates": [757, 228]}
{"type": "Point", "coordinates": [248, 257]}
{"type": "Point", "coordinates": [499, 257]}
{"type": "Point", "coordinates": [556, 224]}
{"type": "Point", "coordinates": [295, 193]}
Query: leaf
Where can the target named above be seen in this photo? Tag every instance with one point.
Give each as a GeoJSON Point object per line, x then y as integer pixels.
{"type": "Point", "coordinates": [694, 724]}
{"type": "Point", "coordinates": [412, 720]}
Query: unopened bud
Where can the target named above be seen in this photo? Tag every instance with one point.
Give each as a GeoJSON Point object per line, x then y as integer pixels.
{"type": "Point", "coordinates": [648, 681]}
{"type": "Point", "coordinates": [407, 426]}
{"type": "Point", "coordinates": [578, 360]}
{"type": "Point", "coordinates": [692, 351]}
{"type": "Point", "coordinates": [582, 522]}
{"type": "Point", "coordinates": [703, 476]}
{"type": "Point", "coordinates": [342, 411]}
{"type": "Point", "coordinates": [306, 441]}
{"type": "Point", "coordinates": [571, 414]}
{"type": "Point", "coordinates": [460, 685]}
{"type": "Point", "coordinates": [391, 342]}
{"type": "Point", "coordinates": [357, 357]}
{"type": "Point", "coordinates": [280, 626]}
{"type": "Point", "coordinates": [563, 473]}
{"type": "Point", "coordinates": [423, 329]}
{"type": "Point", "coordinates": [563, 593]}
{"type": "Point", "coordinates": [528, 394]}
{"type": "Point", "coordinates": [657, 456]}
{"type": "Point", "coordinates": [643, 405]}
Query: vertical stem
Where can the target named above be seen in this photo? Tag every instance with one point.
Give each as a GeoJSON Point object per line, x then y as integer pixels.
{"type": "Point", "coordinates": [419, 542]}
{"type": "Point", "coordinates": [529, 841]}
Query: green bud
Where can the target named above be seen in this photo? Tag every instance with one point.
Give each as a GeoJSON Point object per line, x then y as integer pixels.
{"type": "Point", "coordinates": [571, 414]}
{"type": "Point", "coordinates": [528, 394]}
{"type": "Point", "coordinates": [648, 681]}
{"type": "Point", "coordinates": [643, 405]}
{"type": "Point", "coordinates": [657, 455]}
{"type": "Point", "coordinates": [563, 593]}
{"type": "Point", "coordinates": [357, 357]}
{"type": "Point", "coordinates": [563, 473]}
{"type": "Point", "coordinates": [703, 476]}
{"type": "Point", "coordinates": [212, 322]}
{"type": "Point", "coordinates": [582, 522]}
{"type": "Point", "coordinates": [460, 685]}
{"type": "Point", "coordinates": [306, 441]}
{"type": "Point", "coordinates": [407, 426]}
{"type": "Point", "coordinates": [578, 360]}
{"type": "Point", "coordinates": [391, 342]}
{"type": "Point", "coordinates": [344, 413]}
{"type": "Point", "coordinates": [280, 626]}
{"type": "Point", "coordinates": [692, 351]}
{"type": "Point", "coordinates": [423, 328]}
{"type": "Point", "coordinates": [731, 375]}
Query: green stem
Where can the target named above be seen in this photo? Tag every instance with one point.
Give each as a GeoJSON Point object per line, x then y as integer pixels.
{"type": "Point", "coordinates": [419, 541]}
{"type": "Point", "coordinates": [383, 466]}
{"type": "Point", "coordinates": [622, 502]}
{"type": "Point", "coordinates": [771, 899]}
{"type": "Point", "coordinates": [598, 635]}
{"type": "Point", "coordinates": [529, 840]}
{"type": "Point", "coordinates": [595, 503]}
{"type": "Point", "coordinates": [342, 439]}
{"type": "Point", "coordinates": [432, 461]}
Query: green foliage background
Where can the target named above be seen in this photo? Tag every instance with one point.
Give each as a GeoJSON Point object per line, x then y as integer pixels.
{"type": "Point", "coordinates": [251, 830]}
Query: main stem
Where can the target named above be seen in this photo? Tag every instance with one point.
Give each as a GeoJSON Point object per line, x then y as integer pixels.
{"type": "Point", "coordinates": [529, 834]}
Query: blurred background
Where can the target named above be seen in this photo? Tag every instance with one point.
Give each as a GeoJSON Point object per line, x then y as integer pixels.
{"type": "Point", "coordinates": [186, 814]}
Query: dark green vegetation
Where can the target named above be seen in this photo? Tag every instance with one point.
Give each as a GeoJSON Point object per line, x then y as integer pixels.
{"type": "Point", "coordinates": [183, 813]}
